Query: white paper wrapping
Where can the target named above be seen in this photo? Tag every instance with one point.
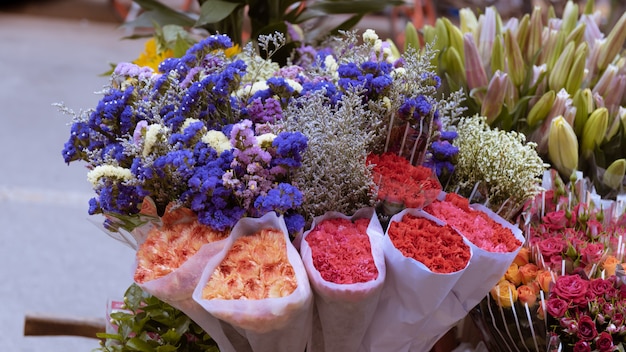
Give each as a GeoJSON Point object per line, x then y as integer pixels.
{"type": "Point", "coordinates": [411, 294]}
{"type": "Point", "coordinates": [484, 270]}
{"type": "Point", "coordinates": [266, 325]}
{"type": "Point", "coordinates": [345, 310]}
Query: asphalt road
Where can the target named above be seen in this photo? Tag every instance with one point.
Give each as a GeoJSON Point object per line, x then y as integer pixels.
{"type": "Point", "coordinates": [53, 260]}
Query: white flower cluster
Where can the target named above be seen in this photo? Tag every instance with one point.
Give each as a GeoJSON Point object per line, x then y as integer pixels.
{"type": "Point", "coordinates": [501, 161]}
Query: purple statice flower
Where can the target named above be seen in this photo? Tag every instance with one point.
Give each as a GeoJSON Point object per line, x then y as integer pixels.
{"type": "Point", "coordinates": [189, 136]}
{"type": "Point", "coordinates": [443, 150]}
{"type": "Point", "coordinates": [118, 199]}
{"type": "Point", "coordinates": [260, 111]}
{"type": "Point", "coordinates": [141, 125]}
{"type": "Point", "coordinates": [294, 222]}
{"type": "Point", "coordinates": [128, 69]}
{"type": "Point", "coordinates": [277, 86]}
{"type": "Point", "coordinates": [114, 151]}
{"type": "Point", "coordinates": [290, 72]}
{"type": "Point", "coordinates": [432, 79]}
{"type": "Point", "coordinates": [78, 143]}
{"type": "Point", "coordinates": [448, 135]}
{"type": "Point", "coordinates": [210, 43]}
{"type": "Point", "coordinates": [330, 90]}
{"type": "Point", "coordinates": [415, 109]}
{"type": "Point", "coordinates": [281, 199]}
{"type": "Point", "coordinates": [289, 149]}
{"type": "Point", "coordinates": [373, 76]}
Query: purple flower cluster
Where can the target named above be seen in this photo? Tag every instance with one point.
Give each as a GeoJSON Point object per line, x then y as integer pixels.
{"type": "Point", "coordinates": [374, 77]}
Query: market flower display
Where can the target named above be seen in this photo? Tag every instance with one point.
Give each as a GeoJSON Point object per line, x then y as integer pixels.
{"type": "Point", "coordinates": [255, 267]}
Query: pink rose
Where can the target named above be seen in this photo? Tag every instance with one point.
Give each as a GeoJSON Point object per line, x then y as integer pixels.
{"type": "Point", "coordinates": [592, 253]}
{"type": "Point", "coordinates": [586, 328]}
{"type": "Point", "coordinates": [571, 288]}
{"type": "Point", "coordinates": [552, 247]}
{"type": "Point", "coordinates": [556, 307]}
{"type": "Point", "coordinates": [582, 346]}
{"type": "Point", "coordinates": [617, 319]}
{"type": "Point", "coordinates": [555, 220]}
{"type": "Point", "coordinates": [600, 287]}
{"type": "Point", "coordinates": [604, 343]}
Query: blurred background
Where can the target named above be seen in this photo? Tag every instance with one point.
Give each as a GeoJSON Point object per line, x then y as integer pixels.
{"type": "Point", "coordinates": [53, 259]}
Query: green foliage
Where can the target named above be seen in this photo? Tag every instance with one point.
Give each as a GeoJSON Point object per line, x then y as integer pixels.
{"type": "Point", "coordinates": [151, 325]}
{"type": "Point", "coordinates": [265, 16]}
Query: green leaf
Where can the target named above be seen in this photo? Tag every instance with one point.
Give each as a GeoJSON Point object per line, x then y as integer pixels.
{"type": "Point", "coordinates": [137, 344]}
{"type": "Point", "coordinates": [347, 24]}
{"type": "Point", "coordinates": [166, 348]}
{"type": "Point", "coordinates": [103, 335]}
{"type": "Point", "coordinates": [149, 18]}
{"type": "Point", "coordinates": [213, 11]}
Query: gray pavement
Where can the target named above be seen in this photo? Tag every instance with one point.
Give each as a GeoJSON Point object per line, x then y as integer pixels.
{"type": "Point", "coordinates": [53, 260]}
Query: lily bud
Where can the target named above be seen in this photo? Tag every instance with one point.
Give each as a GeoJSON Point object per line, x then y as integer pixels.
{"type": "Point", "coordinates": [521, 32]}
{"type": "Point", "coordinates": [442, 35]}
{"type": "Point", "coordinates": [541, 109]}
{"type": "Point", "coordinates": [614, 174]}
{"type": "Point", "coordinates": [604, 83]}
{"type": "Point", "coordinates": [594, 131]}
{"type": "Point", "coordinates": [454, 65]}
{"type": "Point", "coordinates": [577, 34]}
{"type": "Point", "coordinates": [515, 61]}
{"type": "Point", "coordinates": [429, 33]}
{"type": "Point", "coordinates": [533, 44]}
{"type": "Point", "coordinates": [468, 20]}
{"type": "Point", "coordinates": [613, 97]}
{"type": "Point", "coordinates": [476, 76]}
{"type": "Point", "coordinates": [583, 101]}
{"type": "Point", "coordinates": [570, 17]}
{"type": "Point", "coordinates": [492, 105]}
{"type": "Point", "coordinates": [410, 37]}
{"type": "Point", "coordinates": [589, 6]}
{"type": "Point", "coordinates": [558, 75]}
{"type": "Point", "coordinates": [497, 55]}
{"type": "Point", "coordinates": [487, 34]}
{"type": "Point", "coordinates": [556, 50]}
{"type": "Point", "coordinates": [613, 43]}
{"type": "Point", "coordinates": [577, 72]}
{"type": "Point", "coordinates": [621, 113]}
{"type": "Point", "coordinates": [563, 146]}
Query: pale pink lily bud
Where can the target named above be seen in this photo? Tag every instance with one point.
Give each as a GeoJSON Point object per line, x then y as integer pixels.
{"type": "Point", "coordinates": [487, 34]}
{"type": "Point", "coordinates": [613, 97]}
{"type": "Point", "coordinates": [562, 103]}
{"type": "Point", "coordinates": [535, 29]}
{"type": "Point", "coordinates": [605, 82]}
{"type": "Point", "coordinates": [539, 72]}
{"type": "Point", "coordinates": [492, 105]}
{"type": "Point", "coordinates": [476, 75]}
{"type": "Point", "coordinates": [592, 31]}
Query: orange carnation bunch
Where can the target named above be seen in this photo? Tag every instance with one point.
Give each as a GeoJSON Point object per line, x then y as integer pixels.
{"type": "Point", "coordinates": [256, 267]}
{"type": "Point", "coordinates": [167, 247]}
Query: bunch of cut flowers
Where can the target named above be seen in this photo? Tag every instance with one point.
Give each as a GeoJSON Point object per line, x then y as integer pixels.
{"type": "Point", "coordinates": [221, 168]}
{"type": "Point", "coordinates": [574, 239]}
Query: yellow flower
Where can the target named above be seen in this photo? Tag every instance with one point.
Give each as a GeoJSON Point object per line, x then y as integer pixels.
{"type": "Point", "coordinates": [504, 293]}
{"type": "Point", "coordinates": [151, 57]}
{"type": "Point", "coordinates": [232, 51]}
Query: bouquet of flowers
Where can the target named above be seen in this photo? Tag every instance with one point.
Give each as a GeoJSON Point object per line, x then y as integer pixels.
{"type": "Point", "coordinates": [184, 159]}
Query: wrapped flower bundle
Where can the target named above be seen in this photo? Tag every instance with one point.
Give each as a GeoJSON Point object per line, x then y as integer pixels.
{"type": "Point", "coordinates": [399, 312]}
{"type": "Point", "coordinates": [345, 263]}
{"type": "Point", "coordinates": [256, 290]}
